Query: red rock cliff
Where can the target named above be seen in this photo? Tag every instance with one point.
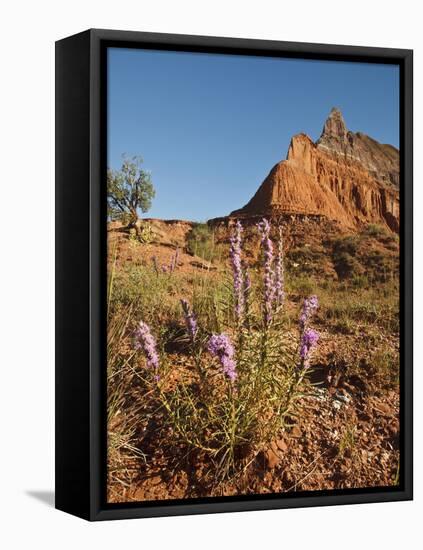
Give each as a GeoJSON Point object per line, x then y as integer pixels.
{"type": "Point", "coordinates": [347, 177]}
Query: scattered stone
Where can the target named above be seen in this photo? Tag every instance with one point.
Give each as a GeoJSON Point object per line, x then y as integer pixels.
{"type": "Point", "coordinates": [272, 458]}
{"type": "Point", "coordinates": [155, 480]}
{"type": "Point", "coordinates": [282, 446]}
{"type": "Point", "coordinates": [320, 394]}
{"type": "Point", "coordinates": [296, 432]}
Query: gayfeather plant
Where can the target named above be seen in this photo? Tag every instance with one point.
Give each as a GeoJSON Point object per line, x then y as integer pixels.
{"type": "Point", "coordinates": [309, 339]}
{"type": "Point", "coordinates": [310, 306]}
{"type": "Point", "coordinates": [269, 282]}
{"type": "Point", "coordinates": [145, 341]}
{"type": "Point", "coordinates": [235, 256]}
{"type": "Point", "coordinates": [190, 320]}
{"type": "Point", "coordinates": [220, 346]}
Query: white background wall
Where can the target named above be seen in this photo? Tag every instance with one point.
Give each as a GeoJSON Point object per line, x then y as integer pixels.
{"type": "Point", "coordinates": [28, 31]}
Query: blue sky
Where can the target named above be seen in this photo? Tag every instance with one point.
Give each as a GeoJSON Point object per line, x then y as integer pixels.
{"type": "Point", "coordinates": [210, 127]}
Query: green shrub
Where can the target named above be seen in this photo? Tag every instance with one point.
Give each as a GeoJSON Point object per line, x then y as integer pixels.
{"type": "Point", "coordinates": [305, 259]}
{"type": "Point", "coordinates": [146, 233]}
{"type": "Point", "coordinates": [380, 267]}
{"type": "Point", "coordinates": [374, 230]}
{"type": "Point", "coordinates": [344, 252]}
{"type": "Point", "coordinates": [359, 281]}
{"type": "Point", "coordinates": [374, 306]}
{"type": "Point", "coordinates": [346, 266]}
{"type": "Point", "coordinates": [348, 244]}
{"type": "Point", "coordinates": [301, 286]}
{"type": "Point", "coordinates": [387, 365]}
{"type": "Point", "coordinates": [151, 294]}
{"type": "Point", "coordinates": [201, 242]}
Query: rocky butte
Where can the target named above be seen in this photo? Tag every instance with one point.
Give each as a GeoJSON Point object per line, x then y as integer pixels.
{"type": "Point", "coordinates": [346, 177]}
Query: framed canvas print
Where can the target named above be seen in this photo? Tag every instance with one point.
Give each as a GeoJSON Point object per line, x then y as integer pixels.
{"type": "Point", "coordinates": [234, 274]}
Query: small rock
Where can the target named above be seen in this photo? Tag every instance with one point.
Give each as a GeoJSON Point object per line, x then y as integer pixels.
{"type": "Point", "coordinates": [343, 397]}
{"type": "Point", "coordinates": [272, 458]}
{"type": "Point", "coordinates": [274, 447]}
{"type": "Point", "coordinates": [282, 445]}
{"type": "Point", "coordinates": [320, 394]}
{"type": "Point", "coordinates": [296, 432]}
{"type": "Point", "coordinates": [155, 480]}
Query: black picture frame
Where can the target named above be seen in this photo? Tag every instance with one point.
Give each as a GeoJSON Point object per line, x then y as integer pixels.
{"type": "Point", "coordinates": [81, 146]}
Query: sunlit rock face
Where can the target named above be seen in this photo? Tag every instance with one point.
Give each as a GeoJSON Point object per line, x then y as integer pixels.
{"type": "Point", "coordinates": [347, 177]}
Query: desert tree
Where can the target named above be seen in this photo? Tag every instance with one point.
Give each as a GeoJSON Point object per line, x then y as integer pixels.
{"type": "Point", "coordinates": [129, 190]}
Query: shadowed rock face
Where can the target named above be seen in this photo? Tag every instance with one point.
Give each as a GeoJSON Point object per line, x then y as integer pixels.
{"type": "Point", "coordinates": [335, 127]}
{"type": "Point", "coordinates": [346, 177]}
{"type": "Point", "coordinates": [382, 161]}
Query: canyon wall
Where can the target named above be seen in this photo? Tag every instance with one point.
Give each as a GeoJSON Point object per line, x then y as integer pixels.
{"type": "Point", "coordinates": [346, 177]}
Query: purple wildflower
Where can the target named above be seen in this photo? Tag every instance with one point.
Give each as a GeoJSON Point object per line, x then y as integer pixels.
{"type": "Point", "coordinates": [309, 337]}
{"type": "Point", "coordinates": [309, 340]}
{"type": "Point", "coordinates": [164, 268]}
{"type": "Point", "coordinates": [145, 341]}
{"type": "Point", "coordinates": [221, 347]}
{"type": "Point", "coordinates": [279, 272]}
{"type": "Point", "coordinates": [269, 289]}
{"type": "Point", "coordinates": [235, 256]}
{"type": "Point", "coordinates": [310, 306]}
{"type": "Point", "coordinates": [190, 320]}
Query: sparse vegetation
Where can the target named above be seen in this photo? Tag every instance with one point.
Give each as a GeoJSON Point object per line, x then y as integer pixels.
{"type": "Point", "coordinates": [374, 230]}
{"type": "Point", "coordinates": [201, 242]}
{"type": "Point", "coordinates": [306, 260]}
{"type": "Point", "coordinates": [189, 409]}
{"type": "Point", "coordinates": [348, 439]}
{"type": "Point", "coordinates": [369, 255]}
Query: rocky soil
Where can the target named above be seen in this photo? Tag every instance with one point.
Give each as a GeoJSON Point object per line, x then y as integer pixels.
{"type": "Point", "coordinates": [345, 436]}
{"type": "Point", "coordinates": [346, 431]}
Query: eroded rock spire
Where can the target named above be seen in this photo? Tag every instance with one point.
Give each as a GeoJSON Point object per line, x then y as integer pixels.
{"type": "Point", "coordinates": [334, 126]}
